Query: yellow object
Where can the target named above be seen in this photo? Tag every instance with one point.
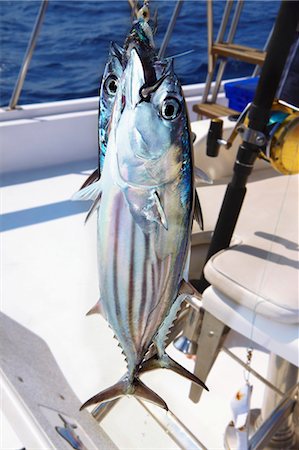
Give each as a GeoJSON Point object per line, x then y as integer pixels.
{"type": "Point", "coordinates": [283, 147]}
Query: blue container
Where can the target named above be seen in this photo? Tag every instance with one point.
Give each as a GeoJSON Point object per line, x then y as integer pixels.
{"type": "Point", "coordinates": [240, 93]}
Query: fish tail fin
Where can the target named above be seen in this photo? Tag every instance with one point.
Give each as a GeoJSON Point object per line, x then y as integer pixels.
{"type": "Point", "coordinates": [165, 362]}
{"type": "Point", "coordinates": [111, 393]}
{"type": "Point", "coordinates": [127, 387]}
{"type": "Point", "coordinates": [144, 392]}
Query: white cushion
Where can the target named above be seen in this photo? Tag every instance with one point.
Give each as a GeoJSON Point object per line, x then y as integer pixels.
{"type": "Point", "coordinates": [261, 273]}
{"type": "Point", "coordinates": [279, 338]}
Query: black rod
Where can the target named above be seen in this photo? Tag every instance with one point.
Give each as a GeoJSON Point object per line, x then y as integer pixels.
{"type": "Point", "coordinates": [279, 46]}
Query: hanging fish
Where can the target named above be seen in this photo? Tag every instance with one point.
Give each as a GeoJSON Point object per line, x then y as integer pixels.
{"type": "Point", "coordinates": [145, 201]}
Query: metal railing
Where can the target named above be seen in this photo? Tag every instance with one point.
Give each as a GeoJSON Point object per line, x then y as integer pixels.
{"type": "Point", "coordinates": [28, 55]}
{"type": "Point", "coordinates": [35, 33]}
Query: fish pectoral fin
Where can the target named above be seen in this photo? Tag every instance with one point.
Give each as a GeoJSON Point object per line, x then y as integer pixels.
{"type": "Point", "coordinates": [145, 207]}
{"type": "Point", "coordinates": [91, 192]}
{"type": "Point", "coordinates": [126, 387]}
{"type": "Point", "coordinates": [165, 362]}
{"type": "Point", "coordinates": [91, 179]}
{"type": "Point", "coordinates": [203, 176]}
{"type": "Point", "coordinates": [161, 214]}
{"type": "Point", "coordinates": [95, 205]}
{"type": "Point", "coordinates": [198, 211]}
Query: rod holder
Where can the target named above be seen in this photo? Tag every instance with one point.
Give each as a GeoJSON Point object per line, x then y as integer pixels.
{"type": "Point", "coordinates": [214, 136]}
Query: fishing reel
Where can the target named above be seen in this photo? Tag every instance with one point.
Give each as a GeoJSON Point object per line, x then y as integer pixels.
{"type": "Point", "coordinates": [279, 146]}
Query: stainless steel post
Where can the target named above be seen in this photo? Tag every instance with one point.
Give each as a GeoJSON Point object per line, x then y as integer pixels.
{"type": "Point", "coordinates": [170, 27]}
{"type": "Point", "coordinates": [261, 439]}
{"type": "Point", "coordinates": [28, 55]}
{"type": "Point", "coordinates": [284, 376]}
{"type": "Point", "coordinates": [230, 38]}
{"type": "Point", "coordinates": [220, 36]}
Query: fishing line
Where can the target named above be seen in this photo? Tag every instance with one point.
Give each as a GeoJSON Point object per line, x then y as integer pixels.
{"type": "Point", "coordinates": [178, 55]}
{"type": "Point", "coordinates": [260, 302]}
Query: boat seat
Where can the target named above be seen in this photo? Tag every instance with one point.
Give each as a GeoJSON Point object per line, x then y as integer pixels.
{"type": "Point", "coordinates": [254, 284]}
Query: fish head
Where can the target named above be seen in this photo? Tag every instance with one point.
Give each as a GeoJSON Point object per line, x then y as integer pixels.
{"type": "Point", "coordinates": [152, 135]}
{"type": "Point", "coordinates": [110, 80]}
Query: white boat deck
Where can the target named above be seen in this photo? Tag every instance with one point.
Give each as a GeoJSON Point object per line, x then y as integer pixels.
{"type": "Point", "coordinates": [50, 281]}
{"type": "Point", "coordinates": [49, 274]}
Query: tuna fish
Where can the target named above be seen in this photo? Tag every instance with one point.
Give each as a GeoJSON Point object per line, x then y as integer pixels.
{"type": "Point", "coordinates": [145, 204]}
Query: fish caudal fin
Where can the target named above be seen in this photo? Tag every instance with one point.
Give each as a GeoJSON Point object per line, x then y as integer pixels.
{"type": "Point", "coordinates": [125, 387]}
{"type": "Point", "coordinates": [144, 392]}
{"type": "Point", "coordinates": [165, 362]}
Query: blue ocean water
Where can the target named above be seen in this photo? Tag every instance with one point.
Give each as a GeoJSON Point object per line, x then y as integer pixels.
{"type": "Point", "coordinates": [72, 48]}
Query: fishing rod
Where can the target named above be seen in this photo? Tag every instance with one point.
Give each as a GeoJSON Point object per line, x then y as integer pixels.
{"type": "Point", "coordinates": [254, 135]}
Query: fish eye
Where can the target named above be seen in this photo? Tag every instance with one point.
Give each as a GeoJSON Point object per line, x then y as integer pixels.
{"type": "Point", "coordinates": [170, 108]}
{"type": "Point", "coordinates": [111, 84]}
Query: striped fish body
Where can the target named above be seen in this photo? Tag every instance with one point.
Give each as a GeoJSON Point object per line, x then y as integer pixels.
{"type": "Point", "coordinates": [145, 215]}
{"type": "Point", "coordinates": [139, 270]}
{"type": "Point", "coordinates": [144, 201]}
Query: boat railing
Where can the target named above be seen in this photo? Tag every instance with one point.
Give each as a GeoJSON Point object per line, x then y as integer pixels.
{"type": "Point", "coordinates": [36, 30]}
{"type": "Point", "coordinates": [28, 55]}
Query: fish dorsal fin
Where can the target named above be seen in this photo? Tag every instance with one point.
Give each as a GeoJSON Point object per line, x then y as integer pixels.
{"type": "Point", "coordinates": [198, 211]}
